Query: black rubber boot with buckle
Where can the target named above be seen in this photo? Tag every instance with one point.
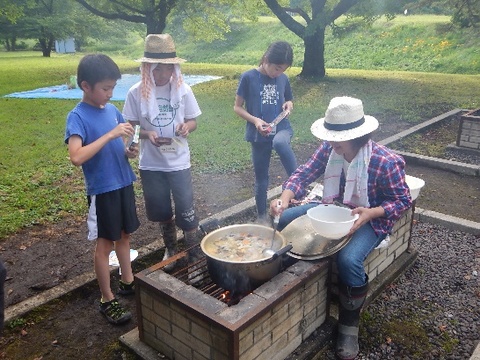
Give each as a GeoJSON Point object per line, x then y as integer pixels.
{"type": "Point", "coordinates": [169, 233]}
{"type": "Point", "coordinates": [192, 242]}
{"type": "Point", "coordinates": [195, 254]}
{"type": "Point", "coordinates": [351, 301]}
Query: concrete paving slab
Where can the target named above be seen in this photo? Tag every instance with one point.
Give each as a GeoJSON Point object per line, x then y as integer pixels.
{"type": "Point", "coordinates": [476, 353]}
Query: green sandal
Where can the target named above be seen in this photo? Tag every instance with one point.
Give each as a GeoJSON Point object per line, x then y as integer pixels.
{"type": "Point", "coordinates": [125, 288]}
{"type": "Point", "coordinates": [114, 312]}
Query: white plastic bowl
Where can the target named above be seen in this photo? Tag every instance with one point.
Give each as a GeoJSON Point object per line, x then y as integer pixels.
{"type": "Point", "coordinates": [331, 221]}
{"type": "Point", "coordinates": [415, 184]}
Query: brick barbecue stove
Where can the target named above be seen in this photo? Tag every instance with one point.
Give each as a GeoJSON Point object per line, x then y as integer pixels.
{"type": "Point", "coordinates": [198, 320]}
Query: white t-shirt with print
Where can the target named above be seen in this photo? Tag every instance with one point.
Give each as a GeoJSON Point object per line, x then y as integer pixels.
{"type": "Point", "coordinates": [172, 157]}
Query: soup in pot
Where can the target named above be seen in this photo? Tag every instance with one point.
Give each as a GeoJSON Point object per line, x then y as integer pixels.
{"type": "Point", "coordinates": [237, 246]}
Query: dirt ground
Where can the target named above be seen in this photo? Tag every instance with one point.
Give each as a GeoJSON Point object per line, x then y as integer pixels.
{"type": "Point", "coordinates": [41, 257]}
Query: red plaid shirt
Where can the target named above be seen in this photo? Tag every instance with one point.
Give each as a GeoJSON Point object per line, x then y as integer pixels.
{"type": "Point", "coordinates": [386, 182]}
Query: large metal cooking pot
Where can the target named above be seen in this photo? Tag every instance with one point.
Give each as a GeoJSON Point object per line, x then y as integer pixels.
{"type": "Point", "coordinates": [243, 276]}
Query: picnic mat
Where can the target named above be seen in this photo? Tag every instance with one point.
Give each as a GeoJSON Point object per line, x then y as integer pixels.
{"type": "Point", "coordinates": [119, 93]}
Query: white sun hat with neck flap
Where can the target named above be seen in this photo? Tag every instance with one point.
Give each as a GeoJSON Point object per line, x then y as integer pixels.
{"type": "Point", "coordinates": [344, 120]}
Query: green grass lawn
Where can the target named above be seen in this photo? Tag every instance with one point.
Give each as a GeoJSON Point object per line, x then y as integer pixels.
{"type": "Point", "coordinates": [38, 184]}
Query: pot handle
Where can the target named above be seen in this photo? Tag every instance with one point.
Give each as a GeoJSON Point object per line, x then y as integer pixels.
{"type": "Point", "coordinates": [282, 251]}
{"type": "Point", "coordinates": [209, 225]}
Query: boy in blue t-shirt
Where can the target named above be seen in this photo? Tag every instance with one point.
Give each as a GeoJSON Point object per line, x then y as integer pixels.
{"type": "Point", "coordinates": [95, 134]}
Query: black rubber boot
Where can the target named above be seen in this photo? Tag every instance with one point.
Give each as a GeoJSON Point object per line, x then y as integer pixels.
{"type": "Point", "coordinates": [192, 238]}
{"type": "Point", "coordinates": [169, 233]}
{"type": "Point", "coordinates": [351, 302]}
{"type": "Point", "coordinates": [194, 255]}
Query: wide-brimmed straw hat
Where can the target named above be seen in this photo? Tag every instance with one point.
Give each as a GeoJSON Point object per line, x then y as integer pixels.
{"type": "Point", "coordinates": [344, 120]}
{"type": "Point", "coordinates": [160, 49]}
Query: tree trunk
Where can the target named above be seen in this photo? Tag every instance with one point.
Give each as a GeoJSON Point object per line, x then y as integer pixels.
{"type": "Point", "coordinates": [313, 58]}
{"type": "Point", "coordinates": [155, 26]}
{"type": "Point", "coordinates": [46, 46]}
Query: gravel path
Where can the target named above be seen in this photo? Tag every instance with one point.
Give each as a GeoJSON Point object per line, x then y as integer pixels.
{"type": "Point", "coordinates": [467, 157]}
{"type": "Point", "coordinates": [433, 310]}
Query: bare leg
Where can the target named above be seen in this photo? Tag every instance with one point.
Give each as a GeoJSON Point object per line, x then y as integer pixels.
{"type": "Point", "coordinates": [109, 305]}
{"type": "Point", "coordinates": [122, 248]}
{"type": "Point", "coordinates": [102, 269]}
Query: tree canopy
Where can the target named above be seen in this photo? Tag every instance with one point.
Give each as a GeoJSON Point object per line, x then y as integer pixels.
{"type": "Point", "coordinates": [313, 17]}
{"type": "Point", "coordinates": [45, 21]}
{"type": "Point", "coordinates": [50, 20]}
{"type": "Point", "coordinates": [203, 19]}
{"type": "Point", "coordinates": [10, 11]}
{"type": "Point", "coordinates": [208, 20]}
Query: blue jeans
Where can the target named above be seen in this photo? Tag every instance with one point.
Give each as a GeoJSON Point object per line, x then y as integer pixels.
{"type": "Point", "coordinates": [261, 154]}
{"type": "Point", "coordinates": [349, 259]}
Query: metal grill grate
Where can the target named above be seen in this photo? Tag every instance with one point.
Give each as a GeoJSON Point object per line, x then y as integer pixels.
{"type": "Point", "coordinates": [197, 275]}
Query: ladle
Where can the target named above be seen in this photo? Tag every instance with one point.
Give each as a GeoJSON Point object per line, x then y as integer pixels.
{"type": "Point", "coordinates": [269, 252]}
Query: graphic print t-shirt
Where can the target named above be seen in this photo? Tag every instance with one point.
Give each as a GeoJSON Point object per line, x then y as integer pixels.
{"type": "Point", "coordinates": [264, 98]}
{"type": "Point", "coordinates": [166, 158]}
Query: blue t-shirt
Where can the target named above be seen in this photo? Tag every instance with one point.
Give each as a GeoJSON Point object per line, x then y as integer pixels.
{"type": "Point", "coordinates": [264, 98]}
{"type": "Point", "coordinates": [109, 169]}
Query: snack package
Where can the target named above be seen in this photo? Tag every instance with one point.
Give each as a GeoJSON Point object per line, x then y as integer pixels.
{"type": "Point", "coordinates": [135, 138]}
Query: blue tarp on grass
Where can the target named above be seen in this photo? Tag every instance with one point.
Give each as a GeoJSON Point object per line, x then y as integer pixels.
{"type": "Point", "coordinates": [119, 93]}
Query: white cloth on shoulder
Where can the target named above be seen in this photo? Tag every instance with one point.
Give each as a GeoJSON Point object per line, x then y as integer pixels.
{"type": "Point", "coordinates": [178, 89]}
{"type": "Point", "coordinates": [356, 178]}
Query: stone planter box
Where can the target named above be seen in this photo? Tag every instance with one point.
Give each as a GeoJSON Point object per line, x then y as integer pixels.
{"type": "Point", "coordinates": [469, 130]}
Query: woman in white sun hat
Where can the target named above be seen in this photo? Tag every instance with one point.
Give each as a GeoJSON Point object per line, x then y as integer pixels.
{"type": "Point", "coordinates": [363, 175]}
{"type": "Point", "coordinates": [166, 109]}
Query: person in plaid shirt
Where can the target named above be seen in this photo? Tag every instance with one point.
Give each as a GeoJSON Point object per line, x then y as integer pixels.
{"type": "Point", "coordinates": [363, 175]}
